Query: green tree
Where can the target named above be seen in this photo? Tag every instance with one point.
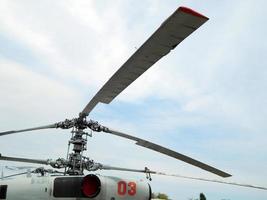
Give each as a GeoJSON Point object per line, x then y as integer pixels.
{"type": "Point", "coordinates": [160, 196]}
{"type": "Point", "coordinates": [202, 196]}
{"type": "Point", "coordinates": [163, 196]}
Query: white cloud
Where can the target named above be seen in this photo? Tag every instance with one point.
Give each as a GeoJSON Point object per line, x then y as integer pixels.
{"type": "Point", "coordinates": [31, 94]}
{"type": "Point", "coordinates": [65, 40]}
{"type": "Point", "coordinates": [17, 28]}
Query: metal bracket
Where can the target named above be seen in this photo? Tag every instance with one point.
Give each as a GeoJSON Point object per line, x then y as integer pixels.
{"type": "Point", "coordinates": [148, 174]}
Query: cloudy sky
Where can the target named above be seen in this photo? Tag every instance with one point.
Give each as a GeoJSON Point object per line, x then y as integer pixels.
{"type": "Point", "coordinates": [206, 99]}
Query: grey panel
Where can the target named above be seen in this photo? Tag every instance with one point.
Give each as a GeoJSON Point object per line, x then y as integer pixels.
{"type": "Point", "coordinates": [68, 187]}
{"type": "Point", "coordinates": [170, 153]}
{"type": "Point", "coordinates": [173, 31]}
{"type": "Point", "coordinates": [3, 191]}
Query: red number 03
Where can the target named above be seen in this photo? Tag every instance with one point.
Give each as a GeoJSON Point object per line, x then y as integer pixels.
{"type": "Point", "coordinates": [123, 189]}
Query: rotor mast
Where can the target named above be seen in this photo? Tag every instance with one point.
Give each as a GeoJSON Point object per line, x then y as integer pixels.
{"type": "Point", "coordinates": [78, 140]}
{"type": "Point", "coordinates": [77, 162]}
{"type": "Point", "coordinates": [75, 158]}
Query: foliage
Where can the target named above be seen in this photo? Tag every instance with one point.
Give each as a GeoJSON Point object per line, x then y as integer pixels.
{"type": "Point", "coordinates": [165, 196]}
{"type": "Point", "coordinates": [160, 196]}
{"type": "Point", "coordinates": [202, 196]}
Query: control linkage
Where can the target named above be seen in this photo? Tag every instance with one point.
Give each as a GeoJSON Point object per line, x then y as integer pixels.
{"type": "Point", "coordinates": [81, 123]}
{"type": "Point", "coordinates": [84, 163]}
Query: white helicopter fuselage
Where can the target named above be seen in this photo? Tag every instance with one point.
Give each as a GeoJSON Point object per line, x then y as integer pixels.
{"type": "Point", "coordinates": [73, 188]}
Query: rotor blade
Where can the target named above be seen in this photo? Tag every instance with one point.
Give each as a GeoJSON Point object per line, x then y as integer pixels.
{"type": "Point", "coordinates": [37, 170]}
{"type": "Point", "coordinates": [13, 168]}
{"type": "Point", "coordinates": [168, 152]}
{"type": "Point", "coordinates": [172, 32]}
{"type": "Point", "coordinates": [212, 180]}
{"type": "Point", "coordinates": [147, 171]}
{"type": "Point", "coordinates": [107, 167]}
{"type": "Point", "coordinates": [13, 175]}
{"type": "Point", "coordinates": [28, 129]}
{"type": "Point", "coordinates": [27, 160]}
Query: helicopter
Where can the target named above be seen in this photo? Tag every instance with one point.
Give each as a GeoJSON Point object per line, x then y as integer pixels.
{"type": "Point", "coordinates": [69, 180]}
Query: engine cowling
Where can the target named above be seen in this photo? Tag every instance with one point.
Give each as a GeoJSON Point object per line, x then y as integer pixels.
{"type": "Point", "coordinates": [97, 187]}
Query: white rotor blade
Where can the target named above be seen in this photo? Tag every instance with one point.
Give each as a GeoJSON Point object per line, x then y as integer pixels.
{"type": "Point", "coordinates": [18, 174]}
{"type": "Point", "coordinates": [147, 171]}
{"type": "Point", "coordinates": [172, 31]}
{"type": "Point", "coordinates": [28, 129]}
{"type": "Point", "coordinates": [107, 167]}
{"type": "Point", "coordinates": [168, 152]}
{"type": "Point", "coordinates": [26, 160]}
{"type": "Point", "coordinates": [212, 180]}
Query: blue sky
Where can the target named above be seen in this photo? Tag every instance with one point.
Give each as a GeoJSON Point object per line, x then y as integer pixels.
{"type": "Point", "coordinates": [206, 99]}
